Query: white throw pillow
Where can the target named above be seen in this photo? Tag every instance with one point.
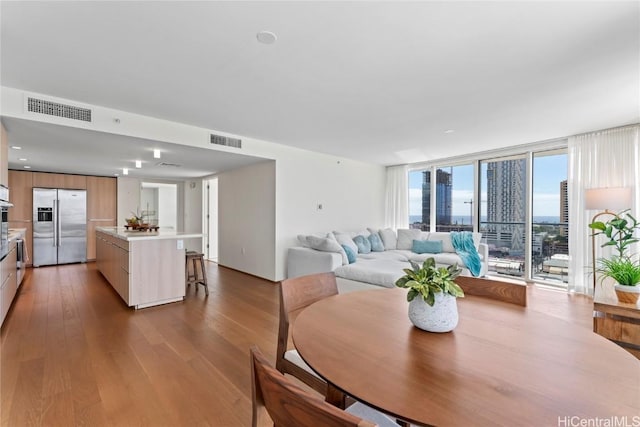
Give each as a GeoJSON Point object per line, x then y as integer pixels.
{"type": "Point", "coordinates": [406, 236]}
{"type": "Point", "coordinates": [447, 246]}
{"type": "Point", "coordinates": [347, 240]}
{"type": "Point", "coordinates": [389, 238]}
{"type": "Point", "coordinates": [345, 258]}
{"type": "Point", "coordinates": [326, 244]}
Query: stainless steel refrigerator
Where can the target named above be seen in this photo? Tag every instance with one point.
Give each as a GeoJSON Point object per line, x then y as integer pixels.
{"type": "Point", "coordinates": [59, 226]}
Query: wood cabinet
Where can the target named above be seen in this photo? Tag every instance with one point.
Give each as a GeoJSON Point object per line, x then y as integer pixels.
{"type": "Point", "coordinates": [21, 214]}
{"type": "Point", "coordinates": [58, 180]}
{"type": "Point", "coordinates": [615, 320]}
{"type": "Point", "coordinates": [9, 281]}
{"type": "Point", "coordinates": [4, 156]}
{"type": "Point", "coordinates": [101, 201]}
{"type": "Point", "coordinates": [101, 208]}
{"type": "Point", "coordinates": [145, 271]}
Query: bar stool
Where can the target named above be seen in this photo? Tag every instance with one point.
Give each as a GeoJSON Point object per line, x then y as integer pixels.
{"type": "Point", "coordinates": [194, 278]}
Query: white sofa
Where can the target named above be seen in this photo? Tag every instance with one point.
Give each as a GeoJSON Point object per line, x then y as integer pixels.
{"type": "Point", "coordinates": [380, 268]}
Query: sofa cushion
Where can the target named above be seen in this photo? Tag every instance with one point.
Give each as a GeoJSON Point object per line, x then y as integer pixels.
{"type": "Point", "coordinates": [363, 244]}
{"type": "Point", "coordinates": [346, 239]}
{"type": "Point", "coordinates": [351, 254]}
{"type": "Point", "coordinates": [327, 244]}
{"type": "Point", "coordinates": [427, 246]}
{"type": "Point", "coordinates": [376, 242]}
{"type": "Point", "coordinates": [389, 238]}
{"type": "Point", "coordinates": [378, 272]}
{"type": "Point", "coordinates": [406, 236]}
{"type": "Point", "coordinates": [445, 258]}
{"type": "Point", "coordinates": [447, 246]}
{"type": "Point", "coordinates": [388, 255]}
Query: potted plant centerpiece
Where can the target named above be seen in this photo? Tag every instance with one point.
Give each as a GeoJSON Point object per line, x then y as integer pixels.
{"type": "Point", "coordinates": [623, 268]}
{"type": "Point", "coordinates": [432, 295]}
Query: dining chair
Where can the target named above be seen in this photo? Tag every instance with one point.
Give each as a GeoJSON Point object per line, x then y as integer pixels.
{"type": "Point", "coordinates": [296, 294]}
{"type": "Point", "coordinates": [289, 405]}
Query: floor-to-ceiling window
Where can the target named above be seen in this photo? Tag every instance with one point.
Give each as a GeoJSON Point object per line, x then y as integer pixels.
{"type": "Point", "coordinates": [549, 227]}
{"type": "Point", "coordinates": [501, 196]}
{"type": "Point", "coordinates": [454, 204]}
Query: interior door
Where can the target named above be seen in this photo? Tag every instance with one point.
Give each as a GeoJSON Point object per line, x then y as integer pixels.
{"type": "Point", "coordinates": [44, 227]}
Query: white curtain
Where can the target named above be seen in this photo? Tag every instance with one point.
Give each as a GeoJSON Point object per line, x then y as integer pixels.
{"type": "Point", "coordinates": [608, 158]}
{"type": "Point", "coordinates": [396, 213]}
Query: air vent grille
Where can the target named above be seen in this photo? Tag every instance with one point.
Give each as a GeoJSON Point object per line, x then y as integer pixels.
{"type": "Point", "coordinates": [226, 141]}
{"type": "Point", "coordinates": [59, 110]}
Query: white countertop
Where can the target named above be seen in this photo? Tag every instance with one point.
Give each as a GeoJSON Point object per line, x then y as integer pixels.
{"type": "Point", "coordinates": [122, 233]}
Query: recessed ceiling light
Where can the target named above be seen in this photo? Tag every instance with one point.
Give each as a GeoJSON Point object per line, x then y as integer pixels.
{"type": "Point", "coordinates": [23, 159]}
{"type": "Point", "coordinates": [266, 37]}
{"type": "Point", "coordinates": [125, 171]}
{"type": "Point", "coordinates": [156, 154]}
{"type": "Point", "coordinates": [138, 164]}
{"type": "Point", "coordinates": [449, 131]}
{"type": "Point", "coordinates": [27, 167]}
{"type": "Point", "coordinates": [15, 147]}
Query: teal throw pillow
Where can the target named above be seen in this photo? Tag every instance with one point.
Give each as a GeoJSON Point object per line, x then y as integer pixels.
{"type": "Point", "coordinates": [363, 244]}
{"type": "Point", "coordinates": [376, 242]}
{"type": "Point", "coordinates": [427, 246]}
{"type": "Point", "coordinates": [351, 255]}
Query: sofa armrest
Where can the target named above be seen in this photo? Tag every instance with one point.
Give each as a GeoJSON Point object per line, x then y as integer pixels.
{"type": "Point", "coordinates": [303, 261]}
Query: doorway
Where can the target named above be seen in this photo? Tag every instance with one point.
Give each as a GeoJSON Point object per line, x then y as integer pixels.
{"type": "Point", "coordinates": [210, 189]}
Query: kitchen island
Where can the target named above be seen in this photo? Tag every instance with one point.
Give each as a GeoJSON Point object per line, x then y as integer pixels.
{"type": "Point", "coordinates": [145, 268]}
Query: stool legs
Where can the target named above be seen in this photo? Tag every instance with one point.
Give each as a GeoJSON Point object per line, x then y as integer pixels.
{"type": "Point", "coordinates": [194, 278]}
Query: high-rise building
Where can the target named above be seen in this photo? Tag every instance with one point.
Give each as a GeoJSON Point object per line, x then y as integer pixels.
{"type": "Point", "coordinates": [506, 204]}
{"type": "Point", "coordinates": [564, 208]}
{"type": "Point", "coordinates": [443, 197]}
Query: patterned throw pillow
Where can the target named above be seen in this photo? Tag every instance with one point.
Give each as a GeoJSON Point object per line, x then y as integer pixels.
{"type": "Point", "coordinates": [376, 242]}
{"type": "Point", "coordinates": [363, 244]}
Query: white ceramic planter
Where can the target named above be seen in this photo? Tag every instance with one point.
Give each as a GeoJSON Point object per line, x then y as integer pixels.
{"type": "Point", "coordinates": [442, 317]}
{"type": "Point", "coordinates": [628, 294]}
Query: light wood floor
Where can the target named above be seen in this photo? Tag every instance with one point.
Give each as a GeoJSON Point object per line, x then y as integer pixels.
{"type": "Point", "coordinates": [73, 354]}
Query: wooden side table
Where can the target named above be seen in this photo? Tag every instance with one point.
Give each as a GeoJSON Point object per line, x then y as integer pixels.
{"type": "Point", "coordinates": [617, 321]}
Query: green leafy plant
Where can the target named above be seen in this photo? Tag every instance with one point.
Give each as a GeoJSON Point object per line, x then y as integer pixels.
{"type": "Point", "coordinates": [618, 230]}
{"type": "Point", "coordinates": [428, 280]}
{"type": "Point", "coordinates": [621, 269]}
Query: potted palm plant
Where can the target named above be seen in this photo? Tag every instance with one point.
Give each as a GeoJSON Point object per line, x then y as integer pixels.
{"type": "Point", "coordinates": [432, 295]}
{"type": "Point", "coordinates": [623, 268]}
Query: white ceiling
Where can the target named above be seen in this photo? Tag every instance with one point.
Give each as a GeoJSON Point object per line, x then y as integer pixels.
{"type": "Point", "coordinates": [375, 81]}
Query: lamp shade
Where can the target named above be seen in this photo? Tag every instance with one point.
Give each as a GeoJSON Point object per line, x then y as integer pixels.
{"type": "Point", "coordinates": [612, 198]}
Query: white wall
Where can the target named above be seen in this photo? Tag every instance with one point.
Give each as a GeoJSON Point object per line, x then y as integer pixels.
{"type": "Point", "coordinates": [128, 198]}
{"type": "Point", "coordinates": [247, 218]}
{"type": "Point", "coordinates": [168, 207]}
{"type": "Point", "coordinates": [351, 194]}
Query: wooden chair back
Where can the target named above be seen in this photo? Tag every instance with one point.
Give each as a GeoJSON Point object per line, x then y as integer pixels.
{"type": "Point", "coordinates": [296, 294]}
{"type": "Point", "coordinates": [289, 405]}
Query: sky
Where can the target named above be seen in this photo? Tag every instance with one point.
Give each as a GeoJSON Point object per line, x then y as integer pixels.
{"type": "Point", "coordinates": [548, 172]}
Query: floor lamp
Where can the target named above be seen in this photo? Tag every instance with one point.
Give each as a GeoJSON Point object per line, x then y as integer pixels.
{"type": "Point", "coordinates": [614, 198]}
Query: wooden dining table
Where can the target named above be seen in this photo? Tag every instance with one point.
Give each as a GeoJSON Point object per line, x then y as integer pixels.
{"type": "Point", "coordinates": [502, 365]}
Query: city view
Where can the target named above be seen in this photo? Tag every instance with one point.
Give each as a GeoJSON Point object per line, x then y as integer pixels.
{"type": "Point", "coordinates": [502, 211]}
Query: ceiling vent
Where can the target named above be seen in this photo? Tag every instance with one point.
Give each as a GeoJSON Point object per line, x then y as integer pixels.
{"type": "Point", "coordinates": [226, 141]}
{"type": "Point", "coordinates": [41, 106]}
{"type": "Point", "coordinates": [173, 165]}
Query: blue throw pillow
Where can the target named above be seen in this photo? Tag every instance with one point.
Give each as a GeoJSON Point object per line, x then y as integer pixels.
{"type": "Point", "coordinates": [363, 244]}
{"type": "Point", "coordinates": [427, 246]}
{"type": "Point", "coordinates": [376, 242]}
{"type": "Point", "coordinates": [351, 256]}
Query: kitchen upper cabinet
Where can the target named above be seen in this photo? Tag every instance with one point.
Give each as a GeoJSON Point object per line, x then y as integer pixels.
{"type": "Point", "coordinates": [101, 198]}
{"type": "Point", "coordinates": [4, 157]}
{"type": "Point", "coordinates": [21, 195]}
{"type": "Point", "coordinates": [58, 180]}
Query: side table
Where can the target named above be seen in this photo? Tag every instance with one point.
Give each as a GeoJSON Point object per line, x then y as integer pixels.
{"type": "Point", "coordinates": [617, 321]}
